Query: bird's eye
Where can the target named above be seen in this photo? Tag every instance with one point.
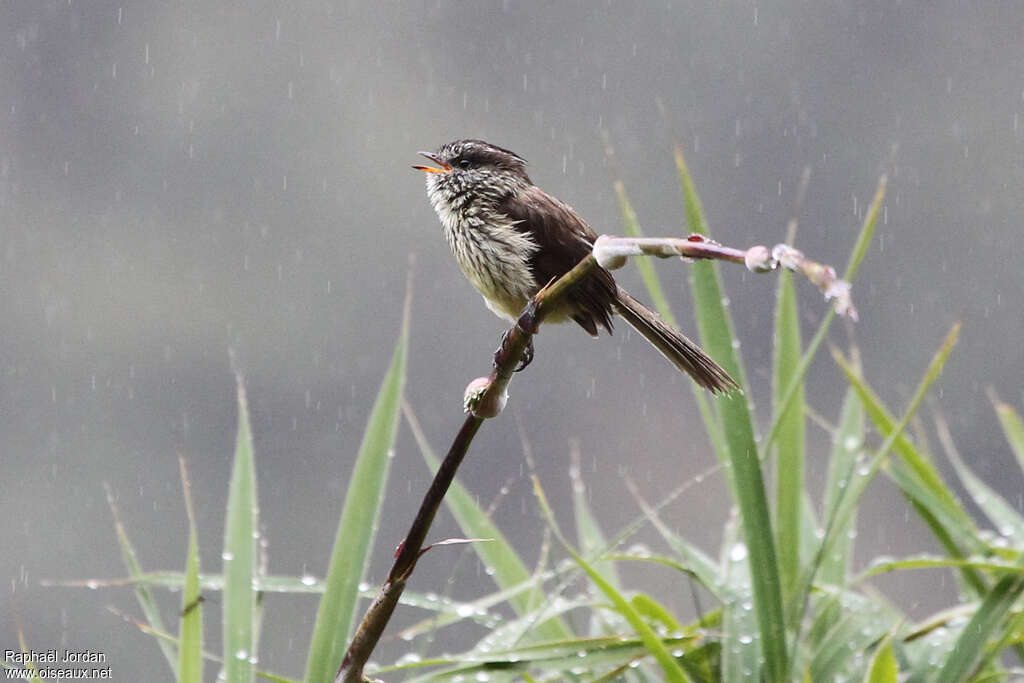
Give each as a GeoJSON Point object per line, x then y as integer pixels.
{"type": "Point", "coordinates": [464, 163]}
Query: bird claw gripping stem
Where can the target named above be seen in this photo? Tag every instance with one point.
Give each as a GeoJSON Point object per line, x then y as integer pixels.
{"type": "Point", "coordinates": [527, 357]}
{"type": "Point", "coordinates": [527, 325]}
{"type": "Point", "coordinates": [503, 348]}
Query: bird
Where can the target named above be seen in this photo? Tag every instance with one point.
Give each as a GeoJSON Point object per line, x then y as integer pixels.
{"type": "Point", "coordinates": [510, 238]}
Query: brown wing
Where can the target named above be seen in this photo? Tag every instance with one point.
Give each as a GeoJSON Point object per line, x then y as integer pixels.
{"type": "Point", "coordinates": [564, 239]}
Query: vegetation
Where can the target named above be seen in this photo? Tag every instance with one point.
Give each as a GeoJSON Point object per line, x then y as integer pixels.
{"type": "Point", "coordinates": [783, 601]}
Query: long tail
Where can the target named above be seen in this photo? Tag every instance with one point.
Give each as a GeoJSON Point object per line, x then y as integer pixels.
{"type": "Point", "coordinates": [674, 345]}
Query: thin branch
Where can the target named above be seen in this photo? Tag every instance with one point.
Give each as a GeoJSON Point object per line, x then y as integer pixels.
{"type": "Point", "coordinates": [486, 396]}
{"type": "Point", "coordinates": [611, 252]}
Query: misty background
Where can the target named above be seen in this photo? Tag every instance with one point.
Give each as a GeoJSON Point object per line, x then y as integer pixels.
{"type": "Point", "coordinates": [178, 179]}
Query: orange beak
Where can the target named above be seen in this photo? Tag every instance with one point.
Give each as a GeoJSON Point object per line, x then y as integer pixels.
{"type": "Point", "coordinates": [431, 169]}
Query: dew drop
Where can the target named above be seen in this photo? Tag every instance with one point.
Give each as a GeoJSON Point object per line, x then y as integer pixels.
{"type": "Point", "coordinates": [738, 552]}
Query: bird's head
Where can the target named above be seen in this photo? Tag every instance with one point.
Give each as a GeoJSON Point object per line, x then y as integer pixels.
{"type": "Point", "coordinates": [474, 163]}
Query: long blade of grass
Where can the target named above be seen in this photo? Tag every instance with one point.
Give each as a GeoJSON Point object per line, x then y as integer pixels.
{"type": "Point", "coordinates": [695, 561]}
{"type": "Point", "coordinates": [811, 529]}
{"type": "Point", "coordinates": [588, 533]}
{"type": "Point", "coordinates": [239, 613]}
{"type": "Point", "coordinates": [190, 632]}
{"type": "Point", "coordinates": [358, 522]}
{"type": "Point", "coordinates": [859, 626]}
{"type": "Point", "coordinates": [718, 336]}
{"type": "Point", "coordinates": [790, 444]}
{"type": "Point", "coordinates": [1012, 635]}
{"type": "Point", "coordinates": [741, 646]}
{"type": "Point", "coordinates": [485, 610]}
{"type": "Point", "coordinates": [1008, 521]}
{"type": "Point", "coordinates": [857, 487]}
{"type": "Point", "coordinates": [655, 646]}
{"type": "Point", "coordinates": [173, 641]}
{"type": "Point", "coordinates": [918, 466]}
{"type": "Point", "coordinates": [884, 668]}
{"type": "Point", "coordinates": [883, 565]}
{"type": "Point", "coordinates": [982, 627]}
{"type": "Point", "coordinates": [652, 610]}
{"type": "Point", "coordinates": [142, 592]}
{"type": "Point", "coordinates": [847, 506]}
{"type": "Point", "coordinates": [918, 478]}
{"type": "Point", "coordinates": [860, 248]}
{"type": "Point", "coordinates": [591, 541]}
{"type": "Point", "coordinates": [586, 654]}
{"type": "Point", "coordinates": [498, 555]}
{"type": "Point", "coordinates": [848, 445]}
{"type": "Point", "coordinates": [1012, 426]}
{"type": "Point", "coordinates": [657, 293]}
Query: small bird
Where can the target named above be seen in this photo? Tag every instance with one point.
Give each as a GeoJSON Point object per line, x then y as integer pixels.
{"type": "Point", "coordinates": [511, 238]}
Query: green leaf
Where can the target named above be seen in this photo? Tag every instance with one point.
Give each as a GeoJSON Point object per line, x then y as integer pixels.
{"type": "Point", "coordinates": [790, 444]}
{"type": "Point", "coordinates": [514, 633]}
{"type": "Point", "coordinates": [482, 610]}
{"type": "Point", "coordinates": [650, 639]}
{"type": "Point", "coordinates": [883, 665]}
{"type": "Point", "coordinates": [741, 646]}
{"type": "Point", "coordinates": [702, 663]}
{"type": "Point", "coordinates": [717, 334]}
{"type": "Point", "coordinates": [860, 247]}
{"type": "Point", "coordinates": [592, 542]}
{"type": "Point", "coordinates": [583, 654]}
{"type": "Point", "coordinates": [190, 632]}
{"type": "Point", "coordinates": [239, 613]}
{"type": "Point", "coordinates": [509, 571]}
{"type": "Point", "coordinates": [1012, 427]}
{"type": "Point", "coordinates": [142, 592]}
{"type": "Point", "coordinates": [862, 623]}
{"type": "Point", "coordinates": [848, 445]}
{"type": "Point", "coordinates": [588, 532]}
{"type": "Point", "coordinates": [925, 649]}
{"type": "Point", "coordinates": [691, 559]}
{"type": "Point", "coordinates": [893, 435]}
{"type": "Point", "coordinates": [983, 626]}
{"type": "Point", "coordinates": [916, 466]}
{"type": "Point", "coordinates": [882, 565]}
{"type": "Point", "coordinates": [847, 506]}
{"type": "Point", "coordinates": [1007, 520]}
{"type": "Point", "coordinates": [919, 479]}
{"type": "Point", "coordinates": [358, 524]}
{"type": "Point", "coordinates": [652, 610]}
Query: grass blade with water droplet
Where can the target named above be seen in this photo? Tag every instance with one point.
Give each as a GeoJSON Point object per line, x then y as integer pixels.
{"type": "Point", "coordinates": [142, 592]}
{"type": "Point", "coordinates": [498, 555]}
{"type": "Point", "coordinates": [190, 632]}
{"type": "Point", "coordinates": [673, 672]}
{"type": "Point", "coordinates": [358, 524]}
{"type": "Point", "coordinates": [790, 444]}
{"type": "Point", "coordinates": [239, 613]}
{"type": "Point", "coordinates": [719, 339]}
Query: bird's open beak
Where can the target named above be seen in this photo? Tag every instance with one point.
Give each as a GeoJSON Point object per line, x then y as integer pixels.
{"type": "Point", "coordinates": [431, 169]}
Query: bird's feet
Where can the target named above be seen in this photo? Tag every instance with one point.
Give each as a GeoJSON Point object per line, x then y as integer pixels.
{"type": "Point", "coordinates": [527, 352]}
{"type": "Point", "coordinates": [526, 325]}
{"type": "Point", "coordinates": [527, 356]}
